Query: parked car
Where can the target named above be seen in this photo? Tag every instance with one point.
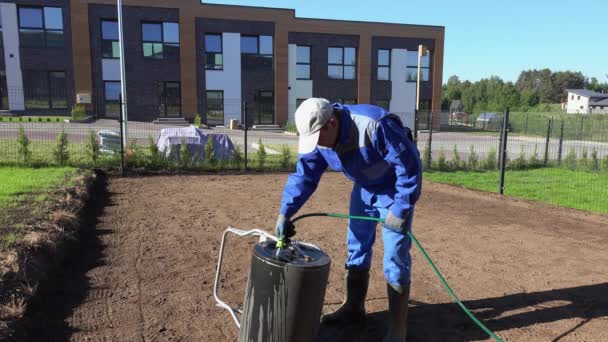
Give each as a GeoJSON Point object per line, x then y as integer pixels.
{"type": "Point", "coordinates": [489, 120]}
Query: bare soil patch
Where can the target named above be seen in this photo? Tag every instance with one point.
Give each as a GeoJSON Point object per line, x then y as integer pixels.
{"type": "Point", "coordinates": [532, 272]}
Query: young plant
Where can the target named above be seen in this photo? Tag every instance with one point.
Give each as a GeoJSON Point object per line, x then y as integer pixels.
{"type": "Point", "coordinates": [209, 153]}
{"type": "Point", "coordinates": [60, 151]}
{"type": "Point", "coordinates": [93, 147]}
{"type": "Point", "coordinates": [236, 159]}
{"type": "Point", "coordinates": [490, 163]}
{"type": "Point", "coordinates": [595, 162]}
{"type": "Point", "coordinates": [184, 153]}
{"type": "Point", "coordinates": [570, 161]}
{"type": "Point", "coordinates": [442, 164]}
{"type": "Point", "coordinates": [473, 159]}
{"type": "Point", "coordinates": [285, 157]}
{"type": "Point", "coordinates": [261, 154]}
{"type": "Point", "coordinates": [24, 146]}
{"type": "Point", "coordinates": [456, 163]}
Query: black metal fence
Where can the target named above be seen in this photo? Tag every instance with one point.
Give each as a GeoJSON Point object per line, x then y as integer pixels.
{"type": "Point", "coordinates": [544, 153]}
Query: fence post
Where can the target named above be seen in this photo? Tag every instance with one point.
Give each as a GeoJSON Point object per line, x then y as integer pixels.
{"type": "Point", "coordinates": [503, 152]}
{"type": "Point", "coordinates": [245, 130]}
{"type": "Point", "coordinates": [549, 127]}
{"type": "Point", "coordinates": [429, 145]}
{"type": "Point", "coordinates": [561, 140]}
{"type": "Point", "coordinates": [526, 123]}
{"type": "Point", "coordinates": [580, 131]}
{"type": "Point", "coordinates": [122, 140]}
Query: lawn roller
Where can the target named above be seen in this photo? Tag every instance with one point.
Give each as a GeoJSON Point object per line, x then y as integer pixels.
{"type": "Point", "coordinates": [286, 287]}
{"type": "Point", "coordinates": [285, 290]}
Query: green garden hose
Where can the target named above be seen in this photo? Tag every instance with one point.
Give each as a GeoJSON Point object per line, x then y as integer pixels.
{"type": "Point", "coordinates": [426, 257]}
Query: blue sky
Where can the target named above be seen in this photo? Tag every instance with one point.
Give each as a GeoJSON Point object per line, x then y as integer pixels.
{"type": "Point", "coordinates": [490, 37]}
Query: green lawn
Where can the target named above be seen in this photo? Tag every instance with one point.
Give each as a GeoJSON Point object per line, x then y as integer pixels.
{"type": "Point", "coordinates": [16, 182]}
{"type": "Point", "coordinates": [574, 189]}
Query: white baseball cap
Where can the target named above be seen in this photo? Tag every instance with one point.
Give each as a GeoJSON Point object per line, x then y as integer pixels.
{"type": "Point", "coordinates": [311, 115]}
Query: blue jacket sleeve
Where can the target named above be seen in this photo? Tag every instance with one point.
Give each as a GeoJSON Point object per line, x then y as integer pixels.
{"type": "Point", "coordinates": [397, 148]}
{"type": "Point", "coordinates": [302, 183]}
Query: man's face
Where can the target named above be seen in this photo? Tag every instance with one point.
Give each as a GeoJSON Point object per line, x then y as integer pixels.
{"type": "Point", "coordinates": [328, 136]}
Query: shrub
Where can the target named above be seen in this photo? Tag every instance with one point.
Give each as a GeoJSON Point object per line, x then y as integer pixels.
{"type": "Point", "coordinates": [261, 154]}
{"type": "Point", "coordinates": [93, 147]}
{"type": "Point", "coordinates": [154, 156]}
{"type": "Point", "coordinates": [583, 163]}
{"type": "Point", "coordinates": [595, 162]}
{"type": "Point", "coordinates": [534, 161]}
{"type": "Point", "coordinates": [236, 159]}
{"type": "Point", "coordinates": [455, 164]}
{"type": "Point", "coordinates": [209, 153]}
{"type": "Point", "coordinates": [473, 159]}
{"type": "Point", "coordinates": [60, 151]}
{"type": "Point", "coordinates": [520, 162]}
{"type": "Point", "coordinates": [285, 157]}
{"type": "Point", "coordinates": [197, 120]}
{"type": "Point", "coordinates": [490, 162]}
{"type": "Point", "coordinates": [24, 146]}
{"type": "Point", "coordinates": [184, 153]}
{"type": "Point", "coordinates": [442, 163]}
{"type": "Point", "coordinates": [570, 161]}
{"type": "Point", "coordinates": [78, 112]}
{"type": "Point", "coordinates": [426, 157]}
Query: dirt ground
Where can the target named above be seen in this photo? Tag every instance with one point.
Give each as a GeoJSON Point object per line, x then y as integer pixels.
{"type": "Point", "coordinates": [145, 273]}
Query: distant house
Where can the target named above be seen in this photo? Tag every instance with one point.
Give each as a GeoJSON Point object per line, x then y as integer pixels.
{"type": "Point", "coordinates": [583, 101]}
{"type": "Point", "coordinates": [456, 106]}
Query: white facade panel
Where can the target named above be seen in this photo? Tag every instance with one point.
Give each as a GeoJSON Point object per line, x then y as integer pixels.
{"type": "Point", "coordinates": [403, 93]}
{"type": "Point", "coordinates": [228, 79]}
{"type": "Point", "coordinates": [298, 89]}
{"type": "Point", "coordinates": [10, 35]}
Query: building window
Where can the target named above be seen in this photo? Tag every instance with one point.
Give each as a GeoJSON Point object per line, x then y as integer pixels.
{"type": "Point", "coordinates": [384, 65]}
{"type": "Point", "coordinates": [342, 63]}
{"type": "Point", "coordinates": [412, 66]}
{"type": "Point", "coordinates": [581, 107]}
{"type": "Point", "coordinates": [109, 39]}
{"type": "Point", "coordinates": [1, 39]}
{"type": "Point", "coordinates": [45, 89]}
{"type": "Point", "coordinates": [3, 91]}
{"type": "Point", "coordinates": [299, 102]}
{"type": "Point", "coordinates": [160, 40]}
{"type": "Point", "coordinates": [303, 63]}
{"type": "Point", "coordinates": [383, 103]}
{"type": "Point", "coordinates": [214, 58]}
{"type": "Point", "coordinates": [572, 97]}
{"type": "Point", "coordinates": [112, 98]}
{"type": "Point", "coordinates": [170, 98]}
{"type": "Point", "coordinates": [257, 45]}
{"type": "Point", "coordinates": [215, 107]}
{"type": "Point", "coordinates": [40, 27]}
{"type": "Point", "coordinates": [578, 97]}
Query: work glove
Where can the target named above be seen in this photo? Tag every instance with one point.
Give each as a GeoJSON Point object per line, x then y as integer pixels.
{"type": "Point", "coordinates": [392, 222]}
{"type": "Point", "coordinates": [284, 229]}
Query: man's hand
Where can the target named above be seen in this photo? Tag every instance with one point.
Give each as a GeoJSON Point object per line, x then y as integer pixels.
{"type": "Point", "coordinates": [392, 222]}
{"type": "Point", "coordinates": [284, 229]}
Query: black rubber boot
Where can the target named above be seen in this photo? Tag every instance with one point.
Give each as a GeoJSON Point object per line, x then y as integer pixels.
{"type": "Point", "coordinates": [398, 297]}
{"type": "Point", "coordinates": [352, 310]}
